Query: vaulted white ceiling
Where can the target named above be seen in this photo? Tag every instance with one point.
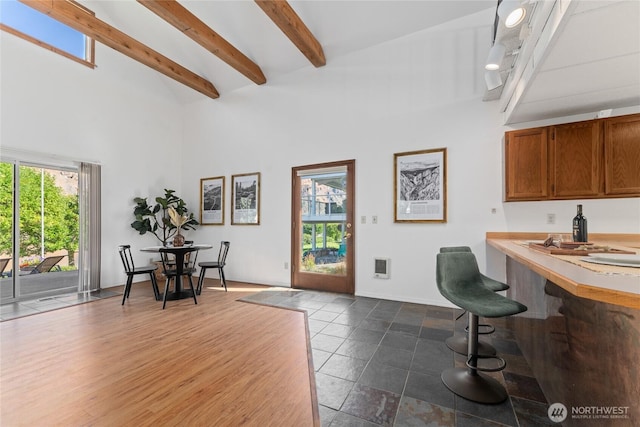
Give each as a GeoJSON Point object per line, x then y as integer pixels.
{"type": "Point", "coordinates": [592, 62]}
{"type": "Point", "coordinates": [340, 26]}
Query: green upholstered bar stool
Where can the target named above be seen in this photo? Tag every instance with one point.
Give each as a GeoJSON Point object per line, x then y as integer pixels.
{"type": "Point", "coordinates": [459, 281]}
{"type": "Point", "coordinates": [459, 343]}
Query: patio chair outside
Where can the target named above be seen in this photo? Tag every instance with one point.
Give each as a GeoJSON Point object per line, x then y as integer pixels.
{"type": "Point", "coordinates": [46, 265]}
{"type": "Point", "coordinates": [3, 265]}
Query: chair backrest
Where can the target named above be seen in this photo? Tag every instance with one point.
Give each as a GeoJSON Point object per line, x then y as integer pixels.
{"type": "Point", "coordinates": [127, 259]}
{"type": "Point", "coordinates": [187, 257]}
{"type": "Point", "coordinates": [190, 260]}
{"type": "Point", "coordinates": [447, 249]}
{"type": "Point", "coordinates": [457, 275]}
{"type": "Point", "coordinates": [222, 254]}
{"type": "Point", "coordinates": [47, 264]}
{"type": "Point", "coordinates": [3, 264]}
{"type": "Point", "coordinates": [168, 262]}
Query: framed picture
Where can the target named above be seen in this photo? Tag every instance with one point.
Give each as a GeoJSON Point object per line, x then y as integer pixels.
{"type": "Point", "coordinates": [420, 186]}
{"type": "Point", "coordinates": [245, 195]}
{"type": "Point", "coordinates": [212, 201]}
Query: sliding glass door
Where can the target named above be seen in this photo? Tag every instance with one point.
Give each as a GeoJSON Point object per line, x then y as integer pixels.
{"type": "Point", "coordinates": [7, 286]}
{"type": "Point", "coordinates": [40, 233]}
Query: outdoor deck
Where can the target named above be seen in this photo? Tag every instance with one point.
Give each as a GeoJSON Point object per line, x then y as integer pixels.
{"type": "Point", "coordinates": [41, 285]}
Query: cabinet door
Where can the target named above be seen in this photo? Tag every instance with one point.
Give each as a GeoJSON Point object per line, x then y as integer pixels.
{"type": "Point", "coordinates": [622, 155]}
{"type": "Point", "coordinates": [526, 164]}
{"type": "Point", "coordinates": [575, 151]}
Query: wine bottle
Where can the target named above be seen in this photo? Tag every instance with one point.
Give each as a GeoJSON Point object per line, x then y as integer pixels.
{"type": "Point", "coordinates": [580, 227]}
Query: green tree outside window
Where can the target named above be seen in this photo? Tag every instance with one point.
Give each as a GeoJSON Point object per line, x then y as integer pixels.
{"type": "Point", "coordinates": [61, 214]}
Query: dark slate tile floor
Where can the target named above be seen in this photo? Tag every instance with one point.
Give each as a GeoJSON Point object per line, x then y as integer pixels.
{"type": "Point", "coordinates": [378, 362]}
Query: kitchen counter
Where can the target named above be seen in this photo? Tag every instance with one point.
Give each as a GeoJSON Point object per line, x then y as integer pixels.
{"type": "Point", "coordinates": [581, 331]}
{"type": "Point", "coordinates": [620, 289]}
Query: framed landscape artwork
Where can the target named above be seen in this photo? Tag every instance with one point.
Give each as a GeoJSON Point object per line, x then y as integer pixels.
{"type": "Point", "coordinates": [212, 201]}
{"type": "Point", "coordinates": [245, 196]}
{"type": "Point", "coordinates": [420, 186]}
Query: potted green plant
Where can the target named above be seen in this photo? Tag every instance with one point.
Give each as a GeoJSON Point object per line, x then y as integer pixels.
{"type": "Point", "coordinates": [156, 219]}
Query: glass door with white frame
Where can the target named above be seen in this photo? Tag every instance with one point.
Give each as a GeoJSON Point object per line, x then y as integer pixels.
{"type": "Point", "coordinates": [40, 233]}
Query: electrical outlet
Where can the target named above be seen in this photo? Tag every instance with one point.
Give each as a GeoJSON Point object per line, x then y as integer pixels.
{"type": "Point", "coordinates": [363, 219]}
{"type": "Point", "coordinates": [286, 265]}
{"type": "Point", "coordinates": [374, 219]}
{"type": "Point", "coordinates": [551, 218]}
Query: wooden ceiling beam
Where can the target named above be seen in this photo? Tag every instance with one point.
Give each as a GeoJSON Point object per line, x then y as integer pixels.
{"type": "Point", "coordinates": [80, 20]}
{"type": "Point", "coordinates": [292, 26]}
{"type": "Point", "coordinates": [178, 16]}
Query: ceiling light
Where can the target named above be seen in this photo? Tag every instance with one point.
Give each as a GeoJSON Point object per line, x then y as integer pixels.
{"type": "Point", "coordinates": [492, 79]}
{"type": "Point", "coordinates": [511, 12]}
{"type": "Point", "coordinates": [496, 54]}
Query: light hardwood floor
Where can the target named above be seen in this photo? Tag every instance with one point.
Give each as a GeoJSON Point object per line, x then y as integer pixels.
{"type": "Point", "coordinates": [221, 362]}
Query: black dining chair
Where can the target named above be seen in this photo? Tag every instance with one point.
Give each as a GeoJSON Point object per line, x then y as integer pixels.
{"type": "Point", "coordinates": [131, 270]}
{"type": "Point", "coordinates": [171, 259]}
{"type": "Point", "coordinates": [170, 271]}
{"type": "Point", "coordinates": [219, 264]}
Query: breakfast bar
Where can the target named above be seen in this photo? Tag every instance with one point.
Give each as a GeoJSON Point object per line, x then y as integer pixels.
{"type": "Point", "coordinates": [581, 333]}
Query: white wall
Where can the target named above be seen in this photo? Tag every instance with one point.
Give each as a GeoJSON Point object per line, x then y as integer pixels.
{"type": "Point", "coordinates": [54, 106]}
{"type": "Point", "coordinates": [419, 92]}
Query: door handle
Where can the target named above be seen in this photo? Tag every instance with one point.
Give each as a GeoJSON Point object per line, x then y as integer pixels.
{"type": "Point", "coordinates": [348, 235]}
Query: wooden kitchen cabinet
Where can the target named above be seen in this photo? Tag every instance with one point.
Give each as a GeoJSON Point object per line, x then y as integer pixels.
{"type": "Point", "coordinates": [583, 160]}
{"type": "Point", "coordinates": [526, 164]}
{"type": "Point", "coordinates": [622, 155]}
{"type": "Point", "coordinates": [575, 160]}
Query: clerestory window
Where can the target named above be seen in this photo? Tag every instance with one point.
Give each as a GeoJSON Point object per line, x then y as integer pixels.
{"type": "Point", "coordinates": [29, 24]}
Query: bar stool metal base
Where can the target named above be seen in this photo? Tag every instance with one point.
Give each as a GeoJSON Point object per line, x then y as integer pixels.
{"type": "Point", "coordinates": [475, 387]}
{"type": "Point", "coordinates": [460, 344]}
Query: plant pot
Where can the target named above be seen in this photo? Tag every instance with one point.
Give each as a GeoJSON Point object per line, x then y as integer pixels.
{"type": "Point", "coordinates": [178, 240]}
